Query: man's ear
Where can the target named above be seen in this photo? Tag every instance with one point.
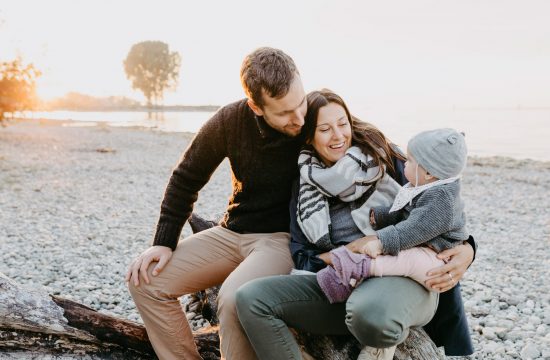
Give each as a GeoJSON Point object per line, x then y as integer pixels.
{"type": "Point", "coordinates": [428, 176]}
{"type": "Point", "coordinates": [257, 110]}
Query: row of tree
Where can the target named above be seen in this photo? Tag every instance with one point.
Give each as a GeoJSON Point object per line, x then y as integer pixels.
{"type": "Point", "coordinates": [77, 101]}
{"type": "Point", "coordinates": [150, 66]}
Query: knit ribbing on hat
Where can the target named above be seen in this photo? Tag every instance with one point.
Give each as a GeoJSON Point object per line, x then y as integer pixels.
{"type": "Point", "coordinates": [441, 152]}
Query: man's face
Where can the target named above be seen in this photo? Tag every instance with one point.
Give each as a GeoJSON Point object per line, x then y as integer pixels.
{"type": "Point", "coordinates": [285, 114]}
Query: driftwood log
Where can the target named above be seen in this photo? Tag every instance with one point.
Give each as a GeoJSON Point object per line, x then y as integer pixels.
{"type": "Point", "coordinates": [35, 325]}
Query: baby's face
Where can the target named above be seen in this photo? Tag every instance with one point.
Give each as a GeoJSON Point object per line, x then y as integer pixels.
{"type": "Point", "coordinates": [415, 173]}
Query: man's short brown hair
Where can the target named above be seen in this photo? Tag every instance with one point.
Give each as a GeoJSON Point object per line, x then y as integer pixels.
{"type": "Point", "coordinates": [267, 69]}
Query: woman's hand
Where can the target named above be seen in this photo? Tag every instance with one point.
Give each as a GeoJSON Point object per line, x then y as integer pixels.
{"type": "Point", "coordinates": [445, 277]}
{"type": "Point", "coordinates": [357, 246]}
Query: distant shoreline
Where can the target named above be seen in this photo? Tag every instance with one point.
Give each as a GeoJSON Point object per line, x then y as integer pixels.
{"type": "Point", "coordinates": [168, 108]}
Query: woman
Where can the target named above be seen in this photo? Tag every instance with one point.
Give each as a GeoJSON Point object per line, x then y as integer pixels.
{"type": "Point", "coordinates": [379, 311]}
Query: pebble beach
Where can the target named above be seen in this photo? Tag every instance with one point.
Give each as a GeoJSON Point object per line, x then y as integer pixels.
{"type": "Point", "coordinates": [78, 203]}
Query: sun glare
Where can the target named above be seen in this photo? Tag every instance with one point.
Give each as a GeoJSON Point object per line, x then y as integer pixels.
{"type": "Point", "coordinates": [404, 54]}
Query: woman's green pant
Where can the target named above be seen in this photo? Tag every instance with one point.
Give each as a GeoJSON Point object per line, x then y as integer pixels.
{"type": "Point", "coordinates": [378, 313]}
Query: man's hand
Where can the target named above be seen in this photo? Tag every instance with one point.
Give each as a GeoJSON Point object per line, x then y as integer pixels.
{"type": "Point", "coordinates": [445, 277]}
{"type": "Point", "coordinates": [356, 246]}
{"type": "Point", "coordinates": [372, 248]}
{"type": "Point", "coordinates": [139, 266]}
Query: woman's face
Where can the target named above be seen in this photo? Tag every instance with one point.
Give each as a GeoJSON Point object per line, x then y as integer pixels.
{"type": "Point", "coordinates": [332, 134]}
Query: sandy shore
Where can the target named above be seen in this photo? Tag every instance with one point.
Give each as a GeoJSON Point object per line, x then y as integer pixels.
{"type": "Point", "coordinates": [78, 203]}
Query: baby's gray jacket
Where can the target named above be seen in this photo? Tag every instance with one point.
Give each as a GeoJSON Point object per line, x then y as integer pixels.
{"type": "Point", "coordinates": [435, 218]}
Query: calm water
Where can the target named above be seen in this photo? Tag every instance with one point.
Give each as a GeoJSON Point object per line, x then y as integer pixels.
{"type": "Point", "coordinates": [514, 133]}
{"type": "Point", "coordinates": [172, 121]}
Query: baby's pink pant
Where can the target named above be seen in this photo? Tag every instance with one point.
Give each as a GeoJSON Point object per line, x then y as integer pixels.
{"type": "Point", "coordinates": [413, 263]}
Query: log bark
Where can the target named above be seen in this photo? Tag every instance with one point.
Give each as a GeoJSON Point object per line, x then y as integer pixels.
{"type": "Point", "coordinates": [35, 325]}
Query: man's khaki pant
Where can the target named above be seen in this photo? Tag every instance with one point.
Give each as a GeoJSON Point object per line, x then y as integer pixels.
{"type": "Point", "coordinates": [203, 260]}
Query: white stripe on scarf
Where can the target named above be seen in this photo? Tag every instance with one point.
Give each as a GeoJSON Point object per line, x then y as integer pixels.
{"type": "Point", "coordinates": [348, 179]}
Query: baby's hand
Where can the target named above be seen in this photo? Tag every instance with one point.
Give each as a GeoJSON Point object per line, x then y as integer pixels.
{"type": "Point", "coordinates": [372, 248]}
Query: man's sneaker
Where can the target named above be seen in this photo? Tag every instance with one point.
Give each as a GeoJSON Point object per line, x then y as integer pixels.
{"type": "Point", "coordinates": [370, 353]}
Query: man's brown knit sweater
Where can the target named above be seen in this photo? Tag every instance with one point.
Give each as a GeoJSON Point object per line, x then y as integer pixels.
{"type": "Point", "coordinates": [263, 166]}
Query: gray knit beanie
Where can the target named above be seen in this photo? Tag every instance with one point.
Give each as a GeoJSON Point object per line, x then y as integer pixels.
{"type": "Point", "coordinates": [441, 152]}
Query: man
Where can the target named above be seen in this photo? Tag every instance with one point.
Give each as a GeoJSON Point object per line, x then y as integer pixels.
{"type": "Point", "coordinates": [259, 136]}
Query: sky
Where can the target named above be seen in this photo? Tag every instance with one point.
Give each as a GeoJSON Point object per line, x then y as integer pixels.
{"type": "Point", "coordinates": [464, 53]}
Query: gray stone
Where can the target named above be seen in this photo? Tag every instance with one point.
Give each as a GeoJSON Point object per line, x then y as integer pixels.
{"type": "Point", "coordinates": [527, 311]}
{"type": "Point", "coordinates": [503, 305]}
{"type": "Point", "coordinates": [194, 306]}
{"type": "Point", "coordinates": [190, 315]}
{"type": "Point", "coordinates": [489, 333]}
{"type": "Point", "coordinates": [514, 335]}
{"type": "Point", "coordinates": [493, 347]}
{"type": "Point", "coordinates": [534, 320]}
{"type": "Point", "coordinates": [500, 332]}
{"type": "Point", "coordinates": [514, 300]}
{"type": "Point", "coordinates": [469, 304]}
{"type": "Point", "coordinates": [530, 351]}
{"type": "Point", "coordinates": [512, 314]}
{"type": "Point", "coordinates": [530, 304]}
{"type": "Point", "coordinates": [508, 324]}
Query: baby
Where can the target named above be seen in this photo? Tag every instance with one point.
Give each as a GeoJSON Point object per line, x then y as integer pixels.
{"type": "Point", "coordinates": [427, 217]}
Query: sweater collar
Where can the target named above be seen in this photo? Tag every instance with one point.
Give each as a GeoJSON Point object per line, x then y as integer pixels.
{"type": "Point", "coordinates": [272, 138]}
{"type": "Point", "coordinates": [408, 192]}
{"type": "Point", "coordinates": [266, 131]}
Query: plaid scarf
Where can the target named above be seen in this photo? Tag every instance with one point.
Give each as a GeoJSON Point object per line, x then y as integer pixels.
{"type": "Point", "coordinates": [355, 178]}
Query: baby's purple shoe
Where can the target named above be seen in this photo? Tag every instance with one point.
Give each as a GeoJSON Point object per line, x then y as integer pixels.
{"type": "Point", "coordinates": [347, 271]}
